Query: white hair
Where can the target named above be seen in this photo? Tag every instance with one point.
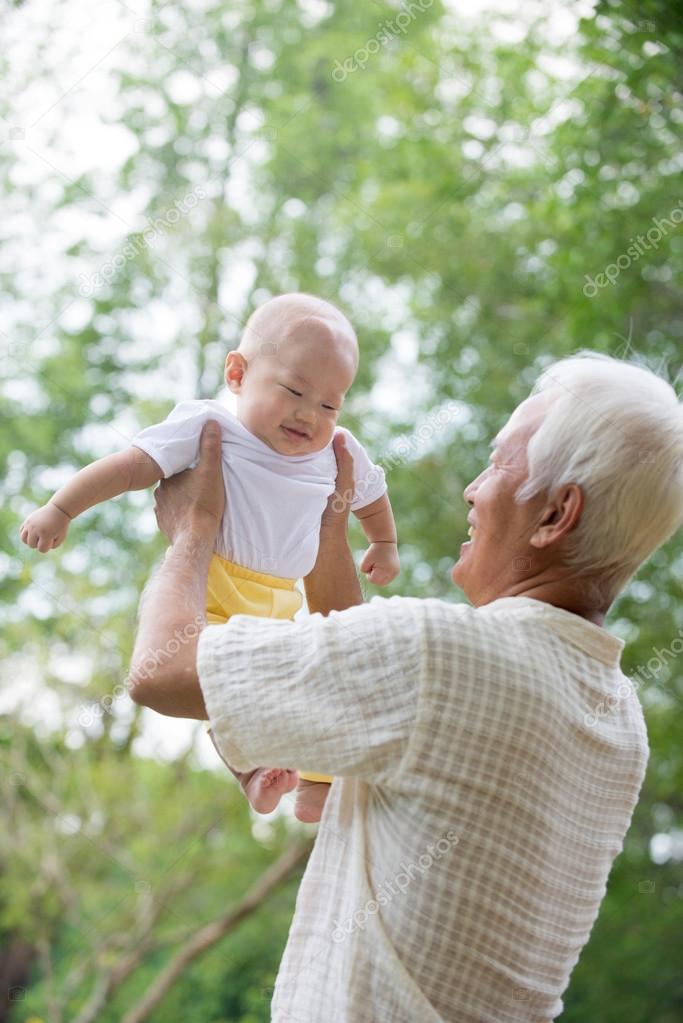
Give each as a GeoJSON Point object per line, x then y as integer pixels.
{"type": "Point", "coordinates": [616, 429]}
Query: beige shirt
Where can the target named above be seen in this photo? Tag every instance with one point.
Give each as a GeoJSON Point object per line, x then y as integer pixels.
{"type": "Point", "coordinates": [487, 762]}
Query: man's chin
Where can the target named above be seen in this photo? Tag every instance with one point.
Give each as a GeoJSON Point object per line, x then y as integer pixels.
{"type": "Point", "coordinates": [461, 572]}
{"type": "Point", "coordinates": [458, 574]}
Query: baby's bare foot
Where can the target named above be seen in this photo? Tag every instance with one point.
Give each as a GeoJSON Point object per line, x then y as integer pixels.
{"type": "Point", "coordinates": [266, 786]}
{"type": "Point", "coordinates": [310, 800]}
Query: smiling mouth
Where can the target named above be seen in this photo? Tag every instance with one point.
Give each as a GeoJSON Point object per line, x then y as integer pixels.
{"type": "Point", "coordinates": [295, 434]}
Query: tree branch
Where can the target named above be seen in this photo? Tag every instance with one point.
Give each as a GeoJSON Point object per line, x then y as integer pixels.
{"type": "Point", "coordinates": [211, 933]}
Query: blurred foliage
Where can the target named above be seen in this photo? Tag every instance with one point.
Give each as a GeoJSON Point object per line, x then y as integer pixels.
{"type": "Point", "coordinates": [454, 191]}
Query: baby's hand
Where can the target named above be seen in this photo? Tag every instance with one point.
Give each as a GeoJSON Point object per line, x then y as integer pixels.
{"type": "Point", "coordinates": [45, 528]}
{"type": "Point", "coordinates": [381, 563]}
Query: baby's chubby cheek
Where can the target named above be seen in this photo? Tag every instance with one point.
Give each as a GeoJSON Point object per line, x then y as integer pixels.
{"type": "Point", "coordinates": [326, 434]}
{"type": "Point", "coordinates": [258, 417]}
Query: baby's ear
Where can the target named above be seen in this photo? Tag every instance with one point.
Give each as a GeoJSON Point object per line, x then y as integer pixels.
{"type": "Point", "coordinates": [235, 365]}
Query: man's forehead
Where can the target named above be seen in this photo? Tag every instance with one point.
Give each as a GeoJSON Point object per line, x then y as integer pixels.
{"type": "Point", "coordinates": [524, 421]}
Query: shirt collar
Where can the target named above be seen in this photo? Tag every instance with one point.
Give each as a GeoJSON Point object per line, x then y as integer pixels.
{"type": "Point", "coordinates": [590, 637]}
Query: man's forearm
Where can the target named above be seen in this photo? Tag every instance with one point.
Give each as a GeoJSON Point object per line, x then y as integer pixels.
{"type": "Point", "coordinates": [333, 583]}
{"type": "Point", "coordinates": [163, 672]}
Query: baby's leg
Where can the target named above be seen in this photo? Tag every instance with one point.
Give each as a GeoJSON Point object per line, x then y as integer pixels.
{"type": "Point", "coordinates": [264, 786]}
{"type": "Point", "coordinates": [310, 800]}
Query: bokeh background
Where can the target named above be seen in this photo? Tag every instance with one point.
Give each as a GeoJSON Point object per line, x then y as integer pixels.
{"type": "Point", "coordinates": [458, 176]}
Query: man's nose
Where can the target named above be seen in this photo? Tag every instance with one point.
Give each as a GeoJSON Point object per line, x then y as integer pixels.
{"type": "Point", "coordinates": [471, 489]}
{"type": "Point", "coordinates": [468, 493]}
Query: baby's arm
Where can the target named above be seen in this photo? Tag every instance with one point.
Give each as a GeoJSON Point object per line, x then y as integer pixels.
{"type": "Point", "coordinates": [380, 563]}
{"type": "Point", "coordinates": [108, 477]}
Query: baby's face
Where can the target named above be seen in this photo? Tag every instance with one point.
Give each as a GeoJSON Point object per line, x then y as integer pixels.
{"type": "Point", "coordinates": [291, 399]}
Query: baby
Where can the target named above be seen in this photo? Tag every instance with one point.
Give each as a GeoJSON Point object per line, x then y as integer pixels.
{"type": "Point", "coordinates": [297, 358]}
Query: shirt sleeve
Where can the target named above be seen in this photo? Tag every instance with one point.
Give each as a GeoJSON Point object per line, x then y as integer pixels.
{"type": "Point", "coordinates": [369, 478]}
{"type": "Point", "coordinates": [174, 443]}
{"type": "Point", "coordinates": [336, 694]}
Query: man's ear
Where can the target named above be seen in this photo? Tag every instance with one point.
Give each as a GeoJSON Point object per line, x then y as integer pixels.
{"type": "Point", "coordinates": [235, 366]}
{"type": "Point", "coordinates": [560, 515]}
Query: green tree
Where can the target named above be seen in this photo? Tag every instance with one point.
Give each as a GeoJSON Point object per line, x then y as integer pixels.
{"type": "Point", "coordinates": [454, 186]}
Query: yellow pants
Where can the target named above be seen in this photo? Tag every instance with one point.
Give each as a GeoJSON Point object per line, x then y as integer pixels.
{"type": "Point", "coordinates": [233, 590]}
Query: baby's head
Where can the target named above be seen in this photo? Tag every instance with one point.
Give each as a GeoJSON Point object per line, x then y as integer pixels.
{"type": "Point", "coordinates": [297, 358]}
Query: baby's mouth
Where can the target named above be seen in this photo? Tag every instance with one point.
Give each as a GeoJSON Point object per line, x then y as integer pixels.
{"type": "Point", "coordinates": [295, 434]}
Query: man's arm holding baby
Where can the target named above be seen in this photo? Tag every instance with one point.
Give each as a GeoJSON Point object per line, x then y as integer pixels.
{"type": "Point", "coordinates": [103, 479]}
{"type": "Point", "coordinates": [332, 584]}
{"type": "Point", "coordinates": [188, 508]}
{"type": "Point", "coordinates": [313, 692]}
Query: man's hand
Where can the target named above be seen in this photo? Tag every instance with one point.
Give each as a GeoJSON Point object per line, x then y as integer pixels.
{"type": "Point", "coordinates": [193, 500]}
{"type": "Point", "coordinates": [336, 515]}
{"type": "Point", "coordinates": [332, 585]}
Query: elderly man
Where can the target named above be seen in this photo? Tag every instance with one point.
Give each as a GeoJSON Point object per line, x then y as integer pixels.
{"type": "Point", "coordinates": [487, 757]}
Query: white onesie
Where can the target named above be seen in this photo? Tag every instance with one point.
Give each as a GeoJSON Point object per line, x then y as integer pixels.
{"type": "Point", "coordinates": [274, 502]}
